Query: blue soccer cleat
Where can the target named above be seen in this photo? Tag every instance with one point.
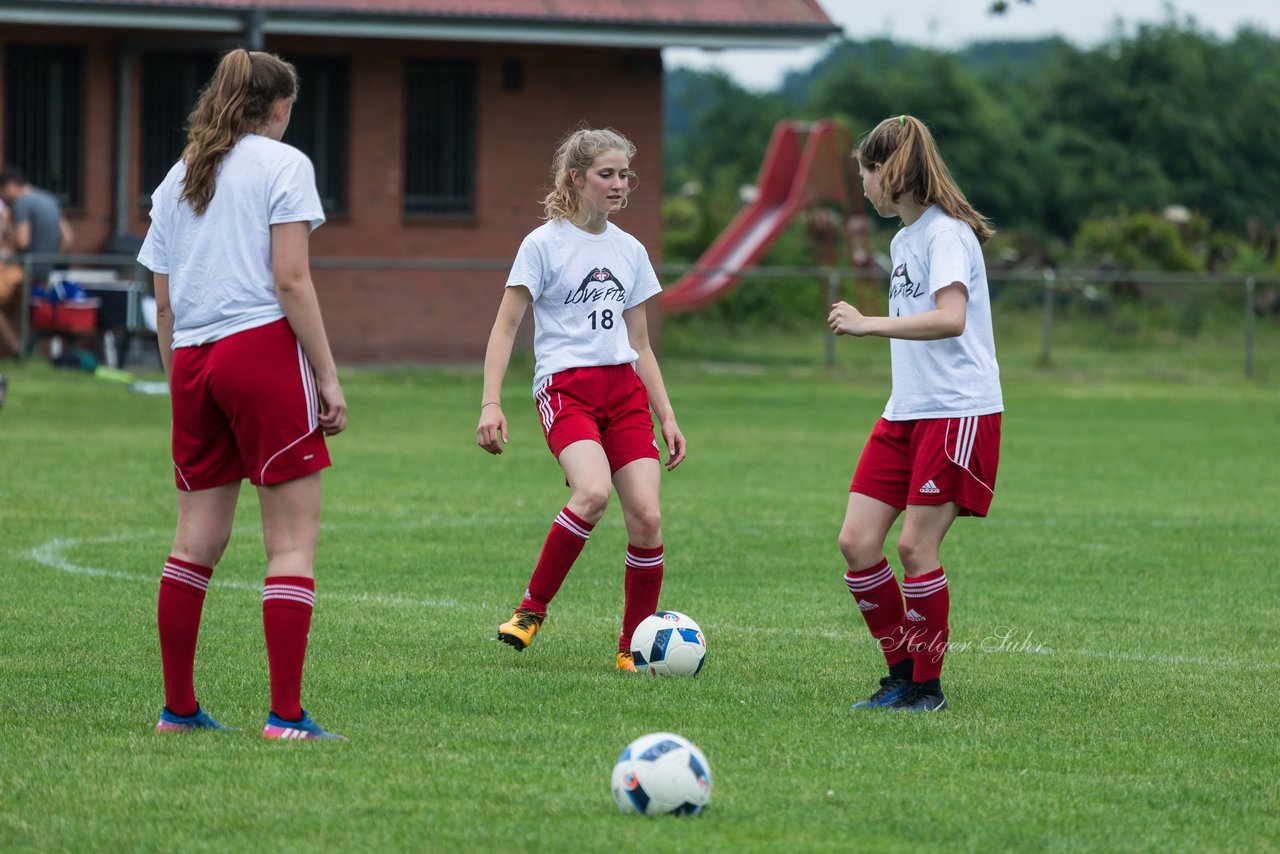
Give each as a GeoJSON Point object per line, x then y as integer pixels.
{"type": "Point", "coordinates": [891, 691]}
{"type": "Point", "coordinates": [916, 700]}
{"type": "Point", "coordinates": [169, 722]}
{"type": "Point", "coordinates": [278, 728]}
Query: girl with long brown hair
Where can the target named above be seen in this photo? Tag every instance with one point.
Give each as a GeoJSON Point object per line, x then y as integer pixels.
{"type": "Point", "coordinates": [253, 385]}
{"type": "Point", "coordinates": [934, 452]}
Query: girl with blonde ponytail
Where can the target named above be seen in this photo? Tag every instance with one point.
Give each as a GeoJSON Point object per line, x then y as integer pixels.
{"type": "Point", "coordinates": [574, 157]}
{"type": "Point", "coordinates": [253, 385]}
{"type": "Point", "coordinates": [934, 452]}
{"type": "Point", "coordinates": [595, 377]}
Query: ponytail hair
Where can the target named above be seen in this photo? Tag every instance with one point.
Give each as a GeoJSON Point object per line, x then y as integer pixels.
{"type": "Point", "coordinates": [577, 152]}
{"type": "Point", "coordinates": [902, 150]}
{"type": "Point", "coordinates": [237, 100]}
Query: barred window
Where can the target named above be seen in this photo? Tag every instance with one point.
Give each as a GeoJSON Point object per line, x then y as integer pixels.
{"type": "Point", "coordinates": [319, 126]}
{"type": "Point", "coordinates": [44, 98]}
{"type": "Point", "coordinates": [170, 85]}
{"type": "Point", "coordinates": [440, 137]}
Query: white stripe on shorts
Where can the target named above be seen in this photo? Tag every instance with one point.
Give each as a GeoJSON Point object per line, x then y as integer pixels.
{"type": "Point", "coordinates": [543, 399]}
{"type": "Point", "coordinates": [966, 432]}
{"type": "Point", "coordinates": [309, 388]}
{"type": "Point", "coordinates": [311, 398]}
{"type": "Point", "coordinates": [966, 438]}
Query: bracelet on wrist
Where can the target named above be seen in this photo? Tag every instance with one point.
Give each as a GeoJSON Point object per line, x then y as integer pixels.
{"type": "Point", "coordinates": [490, 403]}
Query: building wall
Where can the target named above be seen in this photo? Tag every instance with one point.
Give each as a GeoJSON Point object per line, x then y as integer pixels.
{"type": "Point", "coordinates": [446, 315]}
{"type": "Point", "coordinates": [381, 315]}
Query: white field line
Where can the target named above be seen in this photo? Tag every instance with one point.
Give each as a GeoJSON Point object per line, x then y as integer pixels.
{"type": "Point", "coordinates": [51, 555]}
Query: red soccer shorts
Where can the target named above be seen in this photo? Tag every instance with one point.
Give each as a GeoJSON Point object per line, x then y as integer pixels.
{"type": "Point", "coordinates": [608, 405]}
{"type": "Point", "coordinates": [932, 461]}
{"type": "Point", "coordinates": [245, 406]}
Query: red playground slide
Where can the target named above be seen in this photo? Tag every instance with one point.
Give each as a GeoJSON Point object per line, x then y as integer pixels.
{"type": "Point", "coordinates": [793, 177]}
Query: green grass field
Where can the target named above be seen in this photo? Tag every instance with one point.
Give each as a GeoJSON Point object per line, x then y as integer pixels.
{"type": "Point", "coordinates": [1117, 689]}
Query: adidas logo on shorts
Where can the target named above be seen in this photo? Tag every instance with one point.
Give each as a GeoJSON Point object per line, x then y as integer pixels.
{"type": "Point", "coordinates": [930, 488]}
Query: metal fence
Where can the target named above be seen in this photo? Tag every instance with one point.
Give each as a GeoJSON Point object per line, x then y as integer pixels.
{"type": "Point", "coordinates": [1050, 284]}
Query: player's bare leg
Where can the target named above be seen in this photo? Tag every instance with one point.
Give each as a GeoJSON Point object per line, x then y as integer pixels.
{"type": "Point", "coordinates": [586, 470]}
{"type": "Point", "coordinates": [204, 527]}
{"type": "Point", "coordinates": [875, 588]}
{"type": "Point", "coordinates": [291, 533]}
{"type": "Point", "coordinates": [638, 484]}
{"type": "Point", "coordinates": [928, 602]}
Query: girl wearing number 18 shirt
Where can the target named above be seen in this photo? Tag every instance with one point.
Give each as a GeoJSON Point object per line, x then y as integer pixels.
{"type": "Point", "coordinates": [596, 377]}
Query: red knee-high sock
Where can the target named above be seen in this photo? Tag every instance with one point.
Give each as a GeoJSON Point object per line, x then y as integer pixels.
{"type": "Point", "coordinates": [287, 601]}
{"type": "Point", "coordinates": [182, 588]}
{"type": "Point", "coordinates": [564, 543]}
{"type": "Point", "coordinates": [928, 604]}
{"type": "Point", "coordinates": [880, 602]}
{"type": "Point", "coordinates": [642, 583]}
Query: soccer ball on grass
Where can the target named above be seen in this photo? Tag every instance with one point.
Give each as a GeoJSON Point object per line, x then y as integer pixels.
{"type": "Point", "coordinates": [661, 774]}
{"type": "Point", "coordinates": [668, 643]}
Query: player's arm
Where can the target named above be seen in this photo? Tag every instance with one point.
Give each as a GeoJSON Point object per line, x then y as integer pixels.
{"type": "Point", "coordinates": [164, 320]}
{"type": "Point", "coordinates": [21, 235]}
{"type": "Point", "coordinates": [491, 432]}
{"type": "Point", "coordinates": [647, 368]}
{"type": "Point", "coordinates": [291, 271]}
{"type": "Point", "coordinates": [946, 320]}
{"type": "Point", "coordinates": [66, 235]}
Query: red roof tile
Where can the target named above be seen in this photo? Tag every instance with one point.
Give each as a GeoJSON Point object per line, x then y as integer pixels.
{"type": "Point", "coordinates": [702, 13]}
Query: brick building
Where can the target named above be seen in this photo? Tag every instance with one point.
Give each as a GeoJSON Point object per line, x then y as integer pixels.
{"type": "Point", "coordinates": [431, 124]}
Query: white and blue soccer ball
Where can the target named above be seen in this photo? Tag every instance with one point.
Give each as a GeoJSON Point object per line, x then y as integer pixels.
{"type": "Point", "coordinates": [668, 643]}
{"type": "Point", "coordinates": [661, 774]}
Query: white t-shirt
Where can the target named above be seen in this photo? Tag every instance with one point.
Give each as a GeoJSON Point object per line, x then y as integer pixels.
{"type": "Point", "coordinates": [219, 264]}
{"type": "Point", "coordinates": [581, 284]}
{"type": "Point", "coordinates": [951, 377]}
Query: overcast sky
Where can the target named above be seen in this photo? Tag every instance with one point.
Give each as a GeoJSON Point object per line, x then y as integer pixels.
{"type": "Point", "coordinates": [954, 23]}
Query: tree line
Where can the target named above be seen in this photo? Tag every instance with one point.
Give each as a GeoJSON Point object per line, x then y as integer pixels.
{"type": "Point", "coordinates": [1096, 155]}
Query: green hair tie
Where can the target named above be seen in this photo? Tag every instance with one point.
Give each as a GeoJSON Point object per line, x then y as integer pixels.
{"type": "Point", "coordinates": [902, 120]}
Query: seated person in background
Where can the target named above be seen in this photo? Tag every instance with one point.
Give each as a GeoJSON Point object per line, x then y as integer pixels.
{"type": "Point", "coordinates": [35, 225]}
{"type": "Point", "coordinates": [10, 281]}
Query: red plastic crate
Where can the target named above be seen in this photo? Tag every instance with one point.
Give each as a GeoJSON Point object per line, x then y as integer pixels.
{"type": "Point", "coordinates": [71, 316]}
